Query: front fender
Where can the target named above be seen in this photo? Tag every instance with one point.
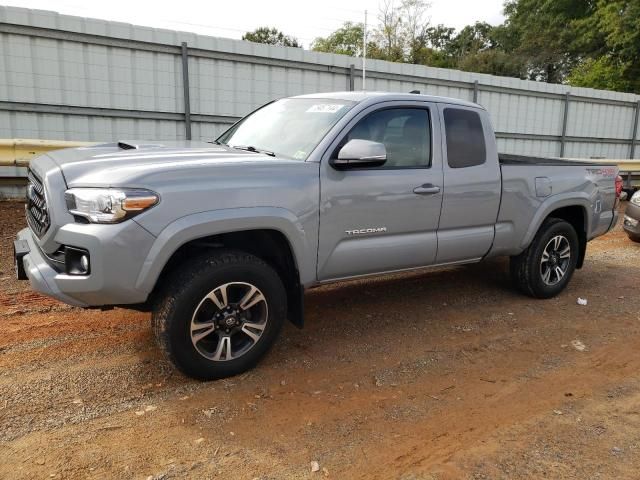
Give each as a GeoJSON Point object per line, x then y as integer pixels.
{"type": "Point", "coordinates": [204, 224]}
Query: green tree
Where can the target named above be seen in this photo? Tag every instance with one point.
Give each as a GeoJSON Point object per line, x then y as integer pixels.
{"type": "Point", "coordinates": [476, 48]}
{"type": "Point", "coordinates": [414, 27]}
{"type": "Point", "coordinates": [619, 22]}
{"type": "Point", "coordinates": [432, 47]}
{"type": "Point", "coordinates": [483, 48]}
{"type": "Point", "coordinates": [603, 73]}
{"type": "Point", "coordinates": [494, 62]}
{"type": "Point", "coordinates": [472, 39]}
{"type": "Point", "coordinates": [347, 40]}
{"type": "Point", "coordinates": [439, 37]}
{"type": "Point", "coordinates": [589, 43]}
{"type": "Point", "coordinates": [389, 34]}
{"type": "Point", "coordinates": [547, 34]}
{"type": "Point", "coordinates": [271, 36]}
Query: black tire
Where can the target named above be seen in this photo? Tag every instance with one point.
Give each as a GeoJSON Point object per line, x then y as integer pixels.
{"type": "Point", "coordinates": [634, 238]}
{"type": "Point", "coordinates": [527, 269]}
{"type": "Point", "coordinates": [629, 193]}
{"type": "Point", "coordinates": [184, 297]}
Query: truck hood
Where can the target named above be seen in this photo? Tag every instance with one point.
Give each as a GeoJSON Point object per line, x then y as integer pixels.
{"type": "Point", "coordinates": [126, 163]}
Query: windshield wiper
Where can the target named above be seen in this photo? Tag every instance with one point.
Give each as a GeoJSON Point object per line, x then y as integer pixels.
{"type": "Point", "coordinates": [249, 148]}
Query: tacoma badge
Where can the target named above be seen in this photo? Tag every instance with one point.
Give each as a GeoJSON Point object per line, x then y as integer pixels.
{"type": "Point", "coordinates": [363, 231]}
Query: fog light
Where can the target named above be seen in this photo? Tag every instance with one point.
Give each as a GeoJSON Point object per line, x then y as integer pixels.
{"type": "Point", "coordinates": [77, 261]}
{"type": "Point", "coordinates": [630, 222]}
{"type": "Point", "coordinates": [84, 263]}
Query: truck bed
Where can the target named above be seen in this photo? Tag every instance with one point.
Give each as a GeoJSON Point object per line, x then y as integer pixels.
{"type": "Point", "coordinates": [535, 186]}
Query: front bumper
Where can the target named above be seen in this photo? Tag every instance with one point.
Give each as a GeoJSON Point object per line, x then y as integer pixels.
{"type": "Point", "coordinates": [32, 265]}
{"type": "Point", "coordinates": [117, 253]}
{"type": "Point", "coordinates": [631, 216]}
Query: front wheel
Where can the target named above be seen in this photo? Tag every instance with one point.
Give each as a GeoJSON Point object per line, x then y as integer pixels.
{"type": "Point", "coordinates": [634, 238]}
{"type": "Point", "coordinates": [220, 315]}
{"type": "Point", "coordinates": [544, 269]}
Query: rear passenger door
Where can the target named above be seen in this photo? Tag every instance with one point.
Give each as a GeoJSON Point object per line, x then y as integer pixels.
{"type": "Point", "coordinates": [472, 185]}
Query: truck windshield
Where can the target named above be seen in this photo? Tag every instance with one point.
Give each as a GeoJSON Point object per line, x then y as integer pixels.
{"type": "Point", "coordinates": [289, 128]}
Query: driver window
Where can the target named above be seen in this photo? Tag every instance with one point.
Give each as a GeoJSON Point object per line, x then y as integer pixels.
{"type": "Point", "coordinates": [405, 133]}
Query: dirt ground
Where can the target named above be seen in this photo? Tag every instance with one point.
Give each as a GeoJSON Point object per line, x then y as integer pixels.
{"type": "Point", "coordinates": [441, 374]}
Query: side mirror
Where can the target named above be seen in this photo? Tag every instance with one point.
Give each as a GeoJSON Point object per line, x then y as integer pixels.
{"type": "Point", "coordinates": [358, 153]}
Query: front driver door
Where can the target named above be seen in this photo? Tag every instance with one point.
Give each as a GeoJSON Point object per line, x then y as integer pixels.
{"type": "Point", "coordinates": [383, 218]}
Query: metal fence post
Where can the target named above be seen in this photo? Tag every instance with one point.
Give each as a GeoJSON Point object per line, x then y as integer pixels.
{"type": "Point", "coordinates": [565, 117]}
{"type": "Point", "coordinates": [185, 88]}
{"type": "Point", "coordinates": [352, 68]}
{"type": "Point", "coordinates": [632, 154]}
{"type": "Point", "coordinates": [476, 87]}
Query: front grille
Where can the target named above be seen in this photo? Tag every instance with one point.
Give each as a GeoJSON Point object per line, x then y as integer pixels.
{"type": "Point", "coordinates": [37, 213]}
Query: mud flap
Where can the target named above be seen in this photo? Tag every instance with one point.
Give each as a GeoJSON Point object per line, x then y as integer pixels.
{"type": "Point", "coordinates": [582, 242]}
{"type": "Point", "coordinates": [295, 307]}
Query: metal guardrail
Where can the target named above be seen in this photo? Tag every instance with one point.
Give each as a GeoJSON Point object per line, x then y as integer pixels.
{"type": "Point", "coordinates": [623, 164]}
{"type": "Point", "coordinates": [15, 155]}
{"type": "Point", "coordinates": [629, 169]}
{"type": "Point", "coordinates": [17, 152]}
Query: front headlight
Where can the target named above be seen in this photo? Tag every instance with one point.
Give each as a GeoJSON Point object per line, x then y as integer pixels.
{"type": "Point", "coordinates": [108, 205]}
{"type": "Point", "coordinates": [635, 199]}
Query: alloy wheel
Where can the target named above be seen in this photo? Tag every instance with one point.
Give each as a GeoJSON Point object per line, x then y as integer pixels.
{"type": "Point", "coordinates": [555, 260]}
{"type": "Point", "coordinates": [229, 321]}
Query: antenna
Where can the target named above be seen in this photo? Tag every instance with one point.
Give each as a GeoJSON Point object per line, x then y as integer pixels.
{"type": "Point", "coordinates": [364, 52]}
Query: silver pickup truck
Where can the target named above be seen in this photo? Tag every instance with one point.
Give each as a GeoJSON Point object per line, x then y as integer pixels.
{"type": "Point", "coordinates": [219, 240]}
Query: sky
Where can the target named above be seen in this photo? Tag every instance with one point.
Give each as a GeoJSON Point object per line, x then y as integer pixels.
{"type": "Point", "coordinates": [302, 19]}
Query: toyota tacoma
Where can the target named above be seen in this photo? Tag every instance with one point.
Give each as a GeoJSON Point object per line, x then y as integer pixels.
{"type": "Point", "coordinates": [220, 240]}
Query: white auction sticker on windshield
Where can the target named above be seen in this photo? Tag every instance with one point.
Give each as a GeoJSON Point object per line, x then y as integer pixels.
{"type": "Point", "coordinates": [324, 108]}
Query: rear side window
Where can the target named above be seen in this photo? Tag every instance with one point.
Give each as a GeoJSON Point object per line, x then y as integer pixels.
{"type": "Point", "coordinates": [465, 138]}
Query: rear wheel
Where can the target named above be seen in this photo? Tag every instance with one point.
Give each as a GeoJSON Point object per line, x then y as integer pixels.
{"type": "Point", "coordinates": [634, 238]}
{"type": "Point", "coordinates": [220, 315]}
{"type": "Point", "coordinates": [544, 269]}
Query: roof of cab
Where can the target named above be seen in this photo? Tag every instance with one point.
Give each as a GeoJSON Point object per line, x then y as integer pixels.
{"type": "Point", "coordinates": [361, 96]}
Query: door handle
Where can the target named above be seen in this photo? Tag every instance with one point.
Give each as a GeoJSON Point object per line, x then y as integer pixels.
{"type": "Point", "coordinates": [427, 189]}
